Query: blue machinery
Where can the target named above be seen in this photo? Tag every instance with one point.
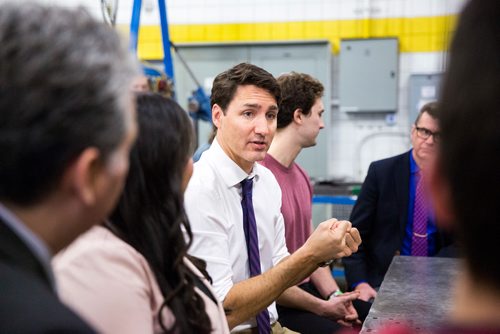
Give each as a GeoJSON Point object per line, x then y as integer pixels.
{"type": "Point", "coordinates": [134, 33]}
{"type": "Point", "coordinates": [198, 99]}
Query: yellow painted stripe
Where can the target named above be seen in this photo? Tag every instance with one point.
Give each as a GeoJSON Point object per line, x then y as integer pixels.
{"type": "Point", "coordinates": [417, 34]}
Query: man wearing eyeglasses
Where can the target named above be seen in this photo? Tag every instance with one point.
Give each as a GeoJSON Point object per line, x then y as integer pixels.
{"type": "Point", "coordinates": [393, 213]}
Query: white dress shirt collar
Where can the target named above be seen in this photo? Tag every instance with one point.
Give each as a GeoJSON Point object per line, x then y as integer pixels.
{"type": "Point", "coordinates": [233, 174]}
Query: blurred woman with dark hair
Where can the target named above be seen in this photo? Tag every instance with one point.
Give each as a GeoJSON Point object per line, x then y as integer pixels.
{"type": "Point", "coordinates": [133, 274]}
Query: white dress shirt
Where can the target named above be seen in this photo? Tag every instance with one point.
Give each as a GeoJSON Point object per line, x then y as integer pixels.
{"type": "Point", "coordinates": [213, 206]}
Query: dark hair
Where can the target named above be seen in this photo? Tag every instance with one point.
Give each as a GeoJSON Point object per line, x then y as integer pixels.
{"type": "Point", "coordinates": [470, 146]}
{"type": "Point", "coordinates": [226, 83]}
{"type": "Point", "coordinates": [298, 91]}
{"type": "Point", "coordinates": [150, 214]}
{"type": "Point", "coordinates": [64, 86]}
{"type": "Point", "coordinates": [430, 108]}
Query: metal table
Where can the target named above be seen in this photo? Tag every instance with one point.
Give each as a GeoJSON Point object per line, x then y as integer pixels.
{"type": "Point", "coordinates": [416, 290]}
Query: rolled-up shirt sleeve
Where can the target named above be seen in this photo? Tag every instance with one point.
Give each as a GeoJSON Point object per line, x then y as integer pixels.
{"type": "Point", "coordinates": [280, 248]}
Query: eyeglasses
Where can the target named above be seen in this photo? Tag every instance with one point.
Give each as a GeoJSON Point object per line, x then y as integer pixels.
{"type": "Point", "coordinates": [425, 133]}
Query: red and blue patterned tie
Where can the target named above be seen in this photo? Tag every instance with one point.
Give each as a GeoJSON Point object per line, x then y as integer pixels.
{"type": "Point", "coordinates": [252, 239]}
{"type": "Point", "coordinates": [420, 216]}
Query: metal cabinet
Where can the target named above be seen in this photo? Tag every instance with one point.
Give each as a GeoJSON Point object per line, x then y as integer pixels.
{"type": "Point", "coordinates": [368, 78]}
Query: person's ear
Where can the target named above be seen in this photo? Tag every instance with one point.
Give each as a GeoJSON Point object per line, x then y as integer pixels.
{"type": "Point", "coordinates": [298, 116]}
{"type": "Point", "coordinates": [440, 192]}
{"type": "Point", "coordinates": [81, 176]}
{"type": "Point", "coordinates": [217, 114]}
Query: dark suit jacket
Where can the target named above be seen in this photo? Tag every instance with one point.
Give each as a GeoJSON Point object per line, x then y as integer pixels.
{"type": "Point", "coordinates": [381, 215]}
{"type": "Point", "coordinates": [28, 303]}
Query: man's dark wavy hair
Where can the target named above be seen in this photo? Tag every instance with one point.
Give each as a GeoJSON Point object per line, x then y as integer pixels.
{"type": "Point", "coordinates": [298, 91]}
{"type": "Point", "coordinates": [226, 83]}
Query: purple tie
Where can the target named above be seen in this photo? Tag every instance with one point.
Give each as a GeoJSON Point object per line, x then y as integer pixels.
{"type": "Point", "coordinates": [252, 239]}
{"type": "Point", "coordinates": [419, 238]}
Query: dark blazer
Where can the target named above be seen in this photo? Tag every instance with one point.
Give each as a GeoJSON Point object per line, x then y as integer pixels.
{"type": "Point", "coordinates": [381, 215]}
{"type": "Point", "coordinates": [28, 303]}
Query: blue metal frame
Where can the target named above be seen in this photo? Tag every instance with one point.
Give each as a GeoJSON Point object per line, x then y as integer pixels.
{"type": "Point", "coordinates": [134, 24]}
{"type": "Point", "coordinates": [339, 200]}
{"type": "Point", "coordinates": [134, 34]}
{"type": "Point", "coordinates": [167, 55]}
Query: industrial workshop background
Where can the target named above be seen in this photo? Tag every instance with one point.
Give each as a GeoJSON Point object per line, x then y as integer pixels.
{"type": "Point", "coordinates": [378, 59]}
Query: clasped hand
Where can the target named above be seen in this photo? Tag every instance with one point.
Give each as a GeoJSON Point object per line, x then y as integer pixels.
{"type": "Point", "coordinates": [340, 309]}
{"type": "Point", "coordinates": [334, 239]}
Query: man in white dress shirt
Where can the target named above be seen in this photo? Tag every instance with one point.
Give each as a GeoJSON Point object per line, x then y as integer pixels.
{"type": "Point", "coordinates": [244, 104]}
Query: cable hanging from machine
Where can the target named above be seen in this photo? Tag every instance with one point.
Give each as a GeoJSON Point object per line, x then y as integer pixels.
{"type": "Point", "coordinates": [109, 8]}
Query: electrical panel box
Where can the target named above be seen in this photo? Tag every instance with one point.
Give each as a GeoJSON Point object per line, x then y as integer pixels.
{"type": "Point", "coordinates": [368, 78]}
{"type": "Point", "coordinates": [424, 88]}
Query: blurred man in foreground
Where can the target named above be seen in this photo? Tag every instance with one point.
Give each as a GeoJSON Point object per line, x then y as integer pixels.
{"type": "Point", "coordinates": [66, 126]}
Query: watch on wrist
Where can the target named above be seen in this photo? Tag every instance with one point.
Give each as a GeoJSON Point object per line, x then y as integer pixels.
{"type": "Point", "coordinates": [326, 263]}
{"type": "Point", "coordinates": [334, 294]}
